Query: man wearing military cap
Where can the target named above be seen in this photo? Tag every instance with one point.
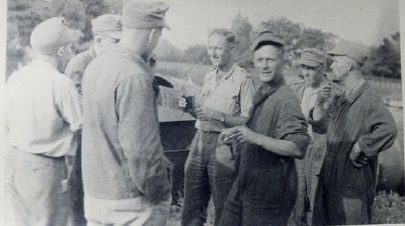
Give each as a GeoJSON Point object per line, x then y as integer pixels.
{"type": "Point", "coordinates": [43, 113]}
{"type": "Point", "coordinates": [224, 101]}
{"type": "Point", "coordinates": [265, 189]}
{"type": "Point", "coordinates": [312, 65]}
{"type": "Point", "coordinates": [126, 176]}
{"type": "Point", "coordinates": [358, 127]}
{"type": "Point", "coordinates": [106, 30]}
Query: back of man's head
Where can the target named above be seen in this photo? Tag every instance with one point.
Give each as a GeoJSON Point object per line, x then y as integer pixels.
{"type": "Point", "coordinates": [109, 25]}
{"type": "Point", "coordinates": [51, 34]}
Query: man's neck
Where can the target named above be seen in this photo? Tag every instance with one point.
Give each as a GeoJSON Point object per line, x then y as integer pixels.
{"type": "Point", "coordinates": [353, 81]}
{"type": "Point", "coordinates": [48, 59]}
{"type": "Point", "coordinates": [223, 70]}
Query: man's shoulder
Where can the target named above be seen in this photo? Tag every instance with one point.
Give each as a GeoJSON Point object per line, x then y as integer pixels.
{"type": "Point", "coordinates": [210, 73]}
{"type": "Point", "coordinates": [239, 71]}
{"type": "Point", "coordinates": [82, 59]}
{"type": "Point", "coordinates": [286, 94]}
{"type": "Point", "coordinates": [298, 85]}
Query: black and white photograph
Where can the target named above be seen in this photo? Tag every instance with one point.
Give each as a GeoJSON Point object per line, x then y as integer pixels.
{"type": "Point", "coordinates": [202, 113]}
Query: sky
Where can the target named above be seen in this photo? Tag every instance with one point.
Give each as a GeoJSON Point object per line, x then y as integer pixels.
{"type": "Point", "coordinates": [363, 21]}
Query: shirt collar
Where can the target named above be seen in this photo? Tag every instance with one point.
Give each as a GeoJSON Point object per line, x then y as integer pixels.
{"type": "Point", "coordinates": [215, 72]}
{"type": "Point", "coordinates": [266, 89]}
{"type": "Point", "coordinates": [43, 63]}
{"type": "Point", "coordinates": [127, 52]}
{"type": "Point", "coordinates": [356, 92]}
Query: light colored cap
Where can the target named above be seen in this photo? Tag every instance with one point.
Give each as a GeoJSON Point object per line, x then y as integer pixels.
{"type": "Point", "coordinates": [144, 15]}
{"type": "Point", "coordinates": [108, 24]}
{"type": "Point", "coordinates": [52, 34]}
{"type": "Point", "coordinates": [264, 35]}
{"type": "Point", "coordinates": [349, 49]}
{"type": "Point", "coordinates": [312, 57]}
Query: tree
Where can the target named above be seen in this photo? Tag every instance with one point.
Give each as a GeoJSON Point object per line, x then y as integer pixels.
{"type": "Point", "coordinates": [385, 60]}
{"type": "Point", "coordinates": [196, 54]}
{"type": "Point", "coordinates": [242, 28]}
{"type": "Point", "coordinates": [166, 51]}
{"type": "Point", "coordinates": [23, 16]}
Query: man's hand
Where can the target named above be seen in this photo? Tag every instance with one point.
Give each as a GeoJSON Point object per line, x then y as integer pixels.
{"type": "Point", "coordinates": [227, 136]}
{"type": "Point", "coordinates": [357, 158]}
{"type": "Point", "coordinates": [244, 134]}
{"type": "Point", "coordinates": [182, 101]}
{"type": "Point", "coordinates": [324, 94]}
{"type": "Point", "coordinates": [207, 114]}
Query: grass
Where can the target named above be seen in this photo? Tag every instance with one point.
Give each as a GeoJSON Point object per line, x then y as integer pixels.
{"type": "Point", "coordinates": [389, 208]}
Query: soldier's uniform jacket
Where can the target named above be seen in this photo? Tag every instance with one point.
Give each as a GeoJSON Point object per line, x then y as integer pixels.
{"type": "Point", "coordinates": [122, 153]}
{"type": "Point", "coordinates": [312, 163]}
{"type": "Point", "coordinates": [361, 118]}
{"type": "Point", "coordinates": [77, 65]}
{"type": "Point", "coordinates": [232, 95]}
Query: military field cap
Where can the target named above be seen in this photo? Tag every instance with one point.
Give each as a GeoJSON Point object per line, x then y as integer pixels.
{"type": "Point", "coordinates": [264, 35]}
{"type": "Point", "coordinates": [107, 24]}
{"type": "Point", "coordinates": [349, 49]}
{"type": "Point", "coordinates": [144, 15]}
{"type": "Point", "coordinates": [52, 34]}
{"type": "Point", "coordinates": [312, 57]}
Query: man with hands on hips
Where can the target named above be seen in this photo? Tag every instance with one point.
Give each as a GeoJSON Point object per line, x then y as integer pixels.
{"type": "Point", "coordinates": [224, 101]}
{"type": "Point", "coordinates": [358, 127]}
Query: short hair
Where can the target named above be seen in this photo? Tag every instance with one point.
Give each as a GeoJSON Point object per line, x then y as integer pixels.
{"type": "Point", "coordinates": [227, 34]}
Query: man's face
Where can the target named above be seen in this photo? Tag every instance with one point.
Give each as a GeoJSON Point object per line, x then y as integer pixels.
{"type": "Point", "coordinates": [267, 62]}
{"type": "Point", "coordinates": [219, 50]}
{"type": "Point", "coordinates": [65, 53]}
{"type": "Point", "coordinates": [313, 76]}
{"type": "Point", "coordinates": [340, 67]}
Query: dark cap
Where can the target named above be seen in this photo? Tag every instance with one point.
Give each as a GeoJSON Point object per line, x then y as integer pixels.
{"type": "Point", "coordinates": [144, 15]}
{"type": "Point", "coordinates": [350, 49]}
{"type": "Point", "coordinates": [264, 35]}
{"type": "Point", "coordinates": [312, 57]}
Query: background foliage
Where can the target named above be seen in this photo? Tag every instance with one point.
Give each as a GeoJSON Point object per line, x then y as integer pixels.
{"type": "Point", "coordinates": [23, 16]}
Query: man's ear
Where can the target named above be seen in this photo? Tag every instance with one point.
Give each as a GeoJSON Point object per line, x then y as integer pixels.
{"type": "Point", "coordinates": [349, 65]}
{"type": "Point", "coordinates": [97, 40]}
{"type": "Point", "coordinates": [232, 48]}
{"type": "Point", "coordinates": [60, 51]}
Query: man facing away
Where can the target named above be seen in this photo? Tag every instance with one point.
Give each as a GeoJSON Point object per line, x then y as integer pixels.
{"type": "Point", "coordinates": [265, 189]}
{"type": "Point", "coordinates": [224, 101]}
{"type": "Point", "coordinates": [43, 113]}
{"type": "Point", "coordinates": [126, 176]}
{"type": "Point", "coordinates": [106, 31]}
{"type": "Point", "coordinates": [358, 128]}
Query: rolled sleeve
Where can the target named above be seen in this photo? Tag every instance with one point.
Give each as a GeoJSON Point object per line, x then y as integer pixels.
{"type": "Point", "coordinates": [380, 130]}
{"type": "Point", "coordinates": [292, 126]}
{"type": "Point", "coordinates": [247, 92]}
{"type": "Point", "coordinates": [74, 70]}
{"type": "Point", "coordinates": [138, 134]}
{"type": "Point", "coordinates": [319, 126]}
{"type": "Point", "coordinates": [69, 105]}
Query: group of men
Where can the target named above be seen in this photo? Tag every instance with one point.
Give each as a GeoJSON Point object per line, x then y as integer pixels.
{"type": "Point", "coordinates": [267, 153]}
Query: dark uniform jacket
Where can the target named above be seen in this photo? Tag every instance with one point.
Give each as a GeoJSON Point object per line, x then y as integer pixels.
{"type": "Point", "coordinates": [358, 118]}
{"type": "Point", "coordinates": [268, 181]}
